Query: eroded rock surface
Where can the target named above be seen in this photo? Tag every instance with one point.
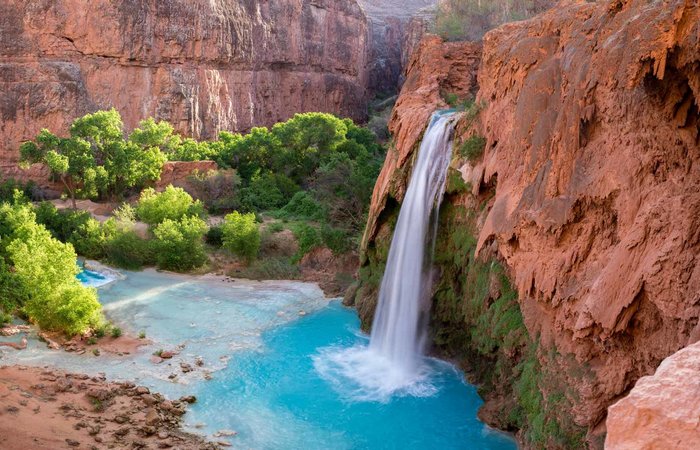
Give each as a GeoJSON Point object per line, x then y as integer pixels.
{"type": "Point", "coordinates": [662, 410]}
{"type": "Point", "coordinates": [591, 172]}
{"type": "Point", "coordinates": [396, 27]}
{"type": "Point", "coordinates": [205, 66]}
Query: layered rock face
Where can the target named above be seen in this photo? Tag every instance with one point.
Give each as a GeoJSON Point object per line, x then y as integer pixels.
{"type": "Point", "coordinates": [396, 27]}
{"type": "Point", "coordinates": [203, 65]}
{"type": "Point", "coordinates": [588, 181]}
{"type": "Point", "coordinates": [661, 411]}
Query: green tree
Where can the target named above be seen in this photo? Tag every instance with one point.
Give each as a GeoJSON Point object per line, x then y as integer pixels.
{"type": "Point", "coordinates": [308, 139]}
{"type": "Point", "coordinates": [96, 160]}
{"type": "Point", "coordinates": [241, 235]}
{"type": "Point", "coordinates": [179, 244]}
{"type": "Point", "coordinates": [173, 203]}
{"type": "Point", "coordinates": [44, 271]}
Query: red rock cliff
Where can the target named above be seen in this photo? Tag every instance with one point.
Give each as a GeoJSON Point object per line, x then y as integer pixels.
{"type": "Point", "coordinates": [593, 160]}
{"type": "Point", "coordinates": [205, 66]}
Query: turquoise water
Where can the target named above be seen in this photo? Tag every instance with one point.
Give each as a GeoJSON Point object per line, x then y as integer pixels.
{"type": "Point", "coordinates": [263, 345]}
{"type": "Point", "coordinates": [94, 279]}
{"type": "Point", "coordinates": [278, 400]}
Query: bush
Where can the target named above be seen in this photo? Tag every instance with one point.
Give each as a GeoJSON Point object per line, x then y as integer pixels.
{"type": "Point", "coordinates": [279, 268]}
{"type": "Point", "coordinates": [8, 187]}
{"type": "Point", "coordinates": [336, 239]}
{"type": "Point", "coordinates": [173, 203]}
{"type": "Point", "coordinates": [128, 250]}
{"type": "Point", "coordinates": [241, 235]}
{"type": "Point", "coordinates": [178, 244]}
{"type": "Point", "coordinates": [216, 189]}
{"type": "Point", "coordinates": [308, 238]}
{"type": "Point", "coordinates": [302, 207]}
{"type": "Point", "coordinates": [44, 271]}
{"type": "Point", "coordinates": [275, 227]}
{"type": "Point", "coordinates": [472, 148]}
{"type": "Point", "coordinates": [61, 223]}
{"type": "Point", "coordinates": [215, 237]}
{"type": "Point", "coordinates": [116, 332]}
{"type": "Point", "coordinates": [92, 238]}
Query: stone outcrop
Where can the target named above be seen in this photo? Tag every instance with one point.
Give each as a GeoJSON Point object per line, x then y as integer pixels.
{"type": "Point", "coordinates": [588, 180]}
{"type": "Point", "coordinates": [205, 66]}
{"type": "Point", "coordinates": [662, 410]}
{"type": "Point", "coordinates": [178, 172]}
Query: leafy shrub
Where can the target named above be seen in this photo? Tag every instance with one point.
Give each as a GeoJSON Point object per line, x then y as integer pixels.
{"type": "Point", "coordinates": [45, 270]}
{"type": "Point", "coordinates": [178, 244]}
{"type": "Point", "coordinates": [8, 187]}
{"type": "Point", "coordinates": [455, 184]}
{"type": "Point", "coordinates": [335, 239]}
{"type": "Point", "coordinates": [262, 195]}
{"type": "Point", "coordinates": [272, 268]}
{"type": "Point", "coordinates": [128, 250]}
{"type": "Point", "coordinates": [116, 332]}
{"type": "Point", "coordinates": [472, 148]}
{"type": "Point", "coordinates": [173, 203]}
{"type": "Point", "coordinates": [241, 235]}
{"type": "Point", "coordinates": [308, 238]}
{"type": "Point", "coordinates": [92, 238]}
{"type": "Point", "coordinates": [61, 223]}
{"type": "Point", "coordinates": [217, 189]}
{"type": "Point", "coordinates": [215, 236]}
{"type": "Point", "coordinates": [275, 227]}
{"type": "Point", "coordinates": [302, 207]}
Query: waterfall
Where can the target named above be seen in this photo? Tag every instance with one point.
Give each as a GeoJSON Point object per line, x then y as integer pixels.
{"type": "Point", "coordinates": [393, 363]}
{"type": "Point", "coordinates": [399, 327]}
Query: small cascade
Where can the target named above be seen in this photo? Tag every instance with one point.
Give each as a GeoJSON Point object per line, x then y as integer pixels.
{"type": "Point", "coordinates": [399, 327]}
{"type": "Point", "coordinates": [393, 363]}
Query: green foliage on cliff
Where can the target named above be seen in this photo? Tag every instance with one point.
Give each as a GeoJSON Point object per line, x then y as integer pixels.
{"type": "Point", "coordinates": [476, 316]}
{"type": "Point", "coordinates": [472, 148]}
{"type": "Point", "coordinates": [38, 274]}
{"type": "Point", "coordinates": [458, 20]}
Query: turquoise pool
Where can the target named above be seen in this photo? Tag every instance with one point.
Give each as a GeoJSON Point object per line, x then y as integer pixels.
{"type": "Point", "coordinates": [264, 345]}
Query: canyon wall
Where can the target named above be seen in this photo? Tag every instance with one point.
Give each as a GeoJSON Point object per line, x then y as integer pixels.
{"type": "Point", "coordinates": [396, 27]}
{"type": "Point", "coordinates": [203, 65]}
{"type": "Point", "coordinates": [584, 196]}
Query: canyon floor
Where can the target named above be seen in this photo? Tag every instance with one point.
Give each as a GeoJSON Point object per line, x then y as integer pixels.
{"type": "Point", "coordinates": [51, 409]}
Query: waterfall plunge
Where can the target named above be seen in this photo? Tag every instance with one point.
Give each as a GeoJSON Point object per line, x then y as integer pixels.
{"type": "Point", "coordinates": [393, 362]}
{"type": "Point", "coordinates": [398, 332]}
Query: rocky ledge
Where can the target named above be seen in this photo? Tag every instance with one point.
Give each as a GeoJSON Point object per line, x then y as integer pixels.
{"type": "Point", "coordinates": [663, 410]}
{"type": "Point", "coordinates": [50, 409]}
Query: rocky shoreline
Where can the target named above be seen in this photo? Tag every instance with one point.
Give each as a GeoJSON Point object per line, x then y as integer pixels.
{"type": "Point", "coordinates": [44, 408]}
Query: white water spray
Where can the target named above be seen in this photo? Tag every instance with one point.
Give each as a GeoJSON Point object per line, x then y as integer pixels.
{"type": "Point", "coordinates": [393, 363]}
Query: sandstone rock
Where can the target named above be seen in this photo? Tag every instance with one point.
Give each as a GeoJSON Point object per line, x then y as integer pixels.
{"type": "Point", "coordinates": [152, 417]}
{"type": "Point", "coordinates": [662, 410]}
{"type": "Point", "coordinates": [188, 399]}
{"type": "Point", "coordinates": [204, 66]}
{"type": "Point", "coordinates": [167, 354]}
{"type": "Point", "coordinates": [591, 122]}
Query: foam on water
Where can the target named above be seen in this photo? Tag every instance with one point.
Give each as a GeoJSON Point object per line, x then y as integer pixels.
{"type": "Point", "coordinates": [360, 373]}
